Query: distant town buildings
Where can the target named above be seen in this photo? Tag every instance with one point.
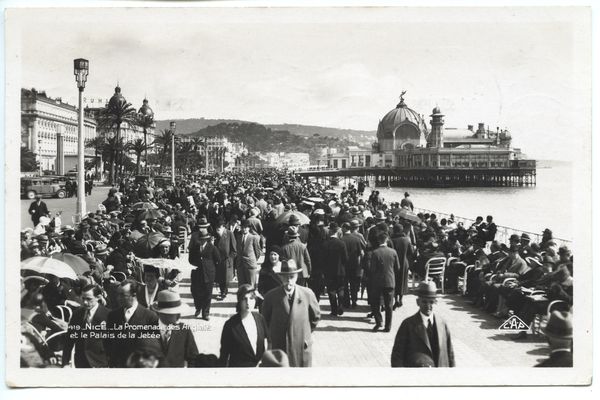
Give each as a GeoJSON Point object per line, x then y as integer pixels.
{"type": "Point", "coordinates": [49, 127]}
{"type": "Point", "coordinates": [281, 160]}
{"type": "Point", "coordinates": [49, 122]}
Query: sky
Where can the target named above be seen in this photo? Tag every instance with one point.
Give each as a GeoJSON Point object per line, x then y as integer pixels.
{"type": "Point", "coordinates": [527, 70]}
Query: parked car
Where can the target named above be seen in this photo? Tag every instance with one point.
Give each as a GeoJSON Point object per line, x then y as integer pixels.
{"type": "Point", "coordinates": [47, 186]}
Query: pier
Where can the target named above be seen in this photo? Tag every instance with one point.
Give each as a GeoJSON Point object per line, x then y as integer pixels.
{"type": "Point", "coordinates": [514, 176]}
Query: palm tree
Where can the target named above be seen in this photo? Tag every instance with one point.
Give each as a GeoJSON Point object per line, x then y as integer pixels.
{"type": "Point", "coordinates": [28, 160]}
{"type": "Point", "coordinates": [99, 145]}
{"type": "Point", "coordinates": [117, 112]}
{"type": "Point", "coordinates": [138, 147]}
{"type": "Point", "coordinates": [164, 141]}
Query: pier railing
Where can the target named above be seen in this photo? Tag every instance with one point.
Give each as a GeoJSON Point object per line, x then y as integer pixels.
{"type": "Point", "coordinates": [503, 233]}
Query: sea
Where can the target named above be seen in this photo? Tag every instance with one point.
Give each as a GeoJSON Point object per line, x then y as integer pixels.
{"type": "Point", "coordinates": [525, 209]}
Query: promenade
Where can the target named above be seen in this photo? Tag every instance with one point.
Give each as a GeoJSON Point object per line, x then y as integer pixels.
{"type": "Point", "coordinates": [347, 340]}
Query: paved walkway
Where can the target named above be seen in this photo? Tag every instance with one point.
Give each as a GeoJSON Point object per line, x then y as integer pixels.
{"type": "Point", "coordinates": [347, 340]}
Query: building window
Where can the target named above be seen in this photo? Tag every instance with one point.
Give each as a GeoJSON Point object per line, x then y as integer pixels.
{"type": "Point", "coordinates": [335, 163]}
{"type": "Point", "coordinates": [343, 163]}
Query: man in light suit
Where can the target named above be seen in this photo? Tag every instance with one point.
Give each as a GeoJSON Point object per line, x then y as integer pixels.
{"type": "Point", "coordinates": [248, 253]}
{"type": "Point", "coordinates": [131, 319]}
{"type": "Point", "coordinates": [423, 339]}
{"type": "Point", "coordinates": [89, 352]}
{"type": "Point", "coordinates": [292, 313]}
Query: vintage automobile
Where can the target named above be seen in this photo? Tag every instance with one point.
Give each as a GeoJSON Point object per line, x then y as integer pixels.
{"type": "Point", "coordinates": [47, 186]}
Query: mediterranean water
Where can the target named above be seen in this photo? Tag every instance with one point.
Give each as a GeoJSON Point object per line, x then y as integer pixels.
{"type": "Point", "coordinates": [530, 209]}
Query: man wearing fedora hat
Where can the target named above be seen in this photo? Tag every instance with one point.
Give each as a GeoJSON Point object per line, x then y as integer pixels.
{"type": "Point", "coordinates": [383, 265]}
{"type": "Point", "coordinates": [177, 346]}
{"type": "Point", "coordinates": [292, 313]}
{"type": "Point", "coordinates": [248, 253]}
{"type": "Point", "coordinates": [559, 332]}
{"type": "Point", "coordinates": [295, 250]}
{"type": "Point", "coordinates": [423, 339]}
{"type": "Point", "coordinates": [205, 256]}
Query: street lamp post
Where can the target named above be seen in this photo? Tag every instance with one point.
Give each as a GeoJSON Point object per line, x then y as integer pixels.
{"type": "Point", "coordinates": [81, 67]}
{"type": "Point", "coordinates": [173, 126]}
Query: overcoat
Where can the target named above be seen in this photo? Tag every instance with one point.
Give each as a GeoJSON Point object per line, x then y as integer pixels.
{"type": "Point", "coordinates": [412, 347]}
{"type": "Point", "coordinates": [290, 327]}
{"type": "Point", "coordinates": [404, 250]}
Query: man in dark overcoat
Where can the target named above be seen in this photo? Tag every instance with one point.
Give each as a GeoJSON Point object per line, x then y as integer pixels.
{"type": "Point", "coordinates": [424, 339]}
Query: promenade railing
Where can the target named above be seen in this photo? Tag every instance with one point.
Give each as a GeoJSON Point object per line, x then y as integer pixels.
{"type": "Point", "coordinates": [502, 234]}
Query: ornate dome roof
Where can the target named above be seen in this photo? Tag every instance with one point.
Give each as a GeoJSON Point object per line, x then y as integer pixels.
{"type": "Point", "coordinates": [402, 114]}
{"type": "Point", "coordinates": [117, 100]}
{"type": "Point", "coordinates": [145, 110]}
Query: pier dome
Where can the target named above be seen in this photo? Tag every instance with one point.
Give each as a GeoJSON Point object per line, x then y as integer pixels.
{"type": "Point", "coordinates": [401, 128]}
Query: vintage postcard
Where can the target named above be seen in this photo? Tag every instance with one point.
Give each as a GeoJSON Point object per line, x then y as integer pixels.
{"type": "Point", "coordinates": [357, 193]}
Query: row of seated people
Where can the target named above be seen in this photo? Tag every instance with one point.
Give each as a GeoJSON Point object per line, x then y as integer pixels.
{"type": "Point", "coordinates": [519, 279]}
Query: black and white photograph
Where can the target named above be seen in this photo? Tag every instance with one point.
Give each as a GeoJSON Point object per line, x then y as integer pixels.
{"type": "Point", "coordinates": [354, 192]}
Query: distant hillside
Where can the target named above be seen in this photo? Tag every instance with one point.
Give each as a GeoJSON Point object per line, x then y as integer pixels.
{"type": "Point", "coordinates": [310, 130]}
{"type": "Point", "coordinates": [194, 124]}
{"type": "Point", "coordinates": [258, 137]}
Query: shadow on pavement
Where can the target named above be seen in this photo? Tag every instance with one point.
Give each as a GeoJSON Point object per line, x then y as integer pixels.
{"type": "Point", "coordinates": [330, 328]}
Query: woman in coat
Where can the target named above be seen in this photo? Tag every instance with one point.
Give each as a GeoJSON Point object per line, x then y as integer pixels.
{"type": "Point", "coordinates": [243, 340]}
{"type": "Point", "coordinates": [268, 278]}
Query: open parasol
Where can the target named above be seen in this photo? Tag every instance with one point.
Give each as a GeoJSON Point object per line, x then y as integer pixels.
{"type": "Point", "coordinates": [150, 214]}
{"type": "Point", "coordinates": [406, 214]}
{"type": "Point", "coordinates": [78, 264]}
{"type": "Point", "coordinates": [144, 245]}
{"type": "Point", "coordinates": [285, 218]}
{"type": "Point", "coordinates": [144, 205]}
{"type": "Point", "coordinates": [50, 266]}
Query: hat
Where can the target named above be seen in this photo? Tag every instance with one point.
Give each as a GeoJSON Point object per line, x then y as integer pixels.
{"type": "Point", "coordinates": [167, 229]}
{"type": "Point", "coordinates": [204, 235]}
{"type": "Point", "coordinates": [547, 231]}
{"type": "Point", "coordinates": [525, 236]}
{"type": "Point", "coordinates": [354, 210]}
{"type": "Point", "coordinates": [164, 242]}
{"type": "Point", "coordinates": [101, 250]}
{"type": "Point", "coordinates": [151, 269]}
{"type": "Point", "coordinates": [289, 267]}
{"type": "Point", "coordinates": [275, 249]}
{"type": "Point", "coordinates": [169, 302]}
{"type": "Point", "coordinates": [346, 226]}
{"type": "Point", "coordinates": [563, 250]}
{"type": "Point", "coordinates": [294, 220]}
{"type": "Point", "coordinates": [244, 290]}
{"type": "Point", "coordinates": [559, 326]}
{"type": "Point", "coordinates": [203, 223]}
{"type": "Point", "coordinates": [515, 238]}
{"type": "Point", "coordinates": [380, 215]}
{"type": "Point", "coordinates": [354, 223]}
{"type": "Point", "coordinates": [427, 289]}
{"type": "Point", "coordinates": [274, 358]}
{"type": "Point", "coordinates": [406, 194]}
{"type": "Point", "coordinates": [292, 233]}
{"type": "Point", "coordinates": [319, 211]}
{"type": "Point", "coordinates": [246, 224]}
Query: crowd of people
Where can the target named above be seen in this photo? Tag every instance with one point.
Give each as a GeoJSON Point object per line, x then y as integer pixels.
{"type": "Point", "coordinates": [312, 241]}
